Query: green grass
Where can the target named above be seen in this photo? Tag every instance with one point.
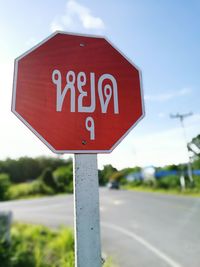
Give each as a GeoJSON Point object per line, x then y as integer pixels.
{"type": "Point", "coordinates": [39, 246]}
{"type": "Point", "coordinates": [109, 263]}
{"type": "Point", "coordinates": [187, 192]}
{"type": "Point", "coordinates": [28, 190]}
{"type": "Point", "coordinates": [167, 185]}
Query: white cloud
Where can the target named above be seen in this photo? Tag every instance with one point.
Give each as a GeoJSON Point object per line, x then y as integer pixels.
{"type": "Point", "coordinates": [76, 18]}
{"type": "Point", "coordinates": [168, 95]}
{"type": "Point", "coordinates": [56, 26]}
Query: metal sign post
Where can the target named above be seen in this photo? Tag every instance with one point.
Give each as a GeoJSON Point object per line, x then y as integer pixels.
{"type": "Point", "coordinates": [86, 211]}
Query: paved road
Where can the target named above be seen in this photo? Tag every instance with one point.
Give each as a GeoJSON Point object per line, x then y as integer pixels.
{"type": "Point", "coordinates": [138, 229]}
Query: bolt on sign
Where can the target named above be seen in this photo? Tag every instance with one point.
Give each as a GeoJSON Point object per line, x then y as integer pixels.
{"type": "Point", "coordinates": [77, 93]}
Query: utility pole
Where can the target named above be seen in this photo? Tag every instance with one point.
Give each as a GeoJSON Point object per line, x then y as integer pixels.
{"type": "Point", "coordinates": [181, 117]}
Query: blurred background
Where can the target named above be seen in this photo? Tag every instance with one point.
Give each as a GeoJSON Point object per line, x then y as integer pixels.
{"type": "Point", "coordinates": [161, 154]}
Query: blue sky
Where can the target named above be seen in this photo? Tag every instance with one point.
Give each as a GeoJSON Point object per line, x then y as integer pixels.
{"type": "Point", "coordinates": [161, 37]}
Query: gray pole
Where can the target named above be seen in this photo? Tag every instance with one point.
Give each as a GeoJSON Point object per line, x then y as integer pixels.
{"type": "Point", "coordinates": [181, 117]}
{"type": "Point", "coordinates": [86, 209]}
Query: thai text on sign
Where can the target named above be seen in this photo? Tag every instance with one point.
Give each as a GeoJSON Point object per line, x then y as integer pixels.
{"type": "Point", "coordinates": [75, 84]}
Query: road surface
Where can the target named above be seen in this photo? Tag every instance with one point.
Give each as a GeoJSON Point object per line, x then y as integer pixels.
{"type": "Point", "coordinates": [138, 229]}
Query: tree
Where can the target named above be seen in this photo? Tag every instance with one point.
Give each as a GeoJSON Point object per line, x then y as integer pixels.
{"type": "Point", "coordinates": [106, 173]}
{"type": "Point", "coordinates": [63, 177]}
{"type": "Point", "coordinates": [20, 170]}
{"type": "Point", "coordinates": [194, 146]}
{"type": "Point", "coordinates": [4, 185]}
{"type": "Point", "coordinates": [27, 169]}
{"type": "Point", "coordinates": [116, 176]}
{"type": "Point", "coordinates": [54, 163]}
{"type": "Point", "coordinates": [48, 179]}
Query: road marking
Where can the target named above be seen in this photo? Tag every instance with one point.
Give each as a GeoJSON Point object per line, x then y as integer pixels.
{"type": "Point", "coordinates": [118, 202]}
{"type": "Point", "coordinates": [102, 208]}
{"type": "Point", "coordinates": [145, 243]}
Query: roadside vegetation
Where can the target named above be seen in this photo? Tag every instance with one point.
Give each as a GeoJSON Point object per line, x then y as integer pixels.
{"type": "Point", "coordinates": [32, 177]}
{"type": "Point", "coordinates": [38, 246]}
{"type": "Point", "coordinates": [169, 185]}
{"type": "Point", "coordinates": [173, 178]}
{"type": "Point", "coordinates": [54, 176]}
{"type": "Point", "coordinates": [168, 179]}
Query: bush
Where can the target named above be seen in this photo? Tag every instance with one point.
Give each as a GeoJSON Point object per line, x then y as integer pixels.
{"type": "Point", "coordinates": [105, 174]}
{"type": "Point", "coordinates": [168, 182]}
{"type": "Point", "coordinates": [197, 182]}
{"type": "Point", "coordinates": [63, 178]}
{"type": "Point", "coordinates": [47, 178]}
{"type": "Point", "coordinates": [123, 181]}
{"type": "Point", "coordinates": [135, 183]}
{"type": "Point", "coordinates": [116, 176]}
{"type": "Point", "coordinates": [38, 246]}
{"type": "Point", "coordinates": [4, 185]}
{"type": "Point", "coordinates": [26, 169]}
{"type": "Point", "coordinates": [29, 189]}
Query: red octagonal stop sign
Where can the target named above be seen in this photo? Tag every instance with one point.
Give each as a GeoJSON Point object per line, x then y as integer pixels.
{"type": "Point", "coordinates": [77, 93]}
